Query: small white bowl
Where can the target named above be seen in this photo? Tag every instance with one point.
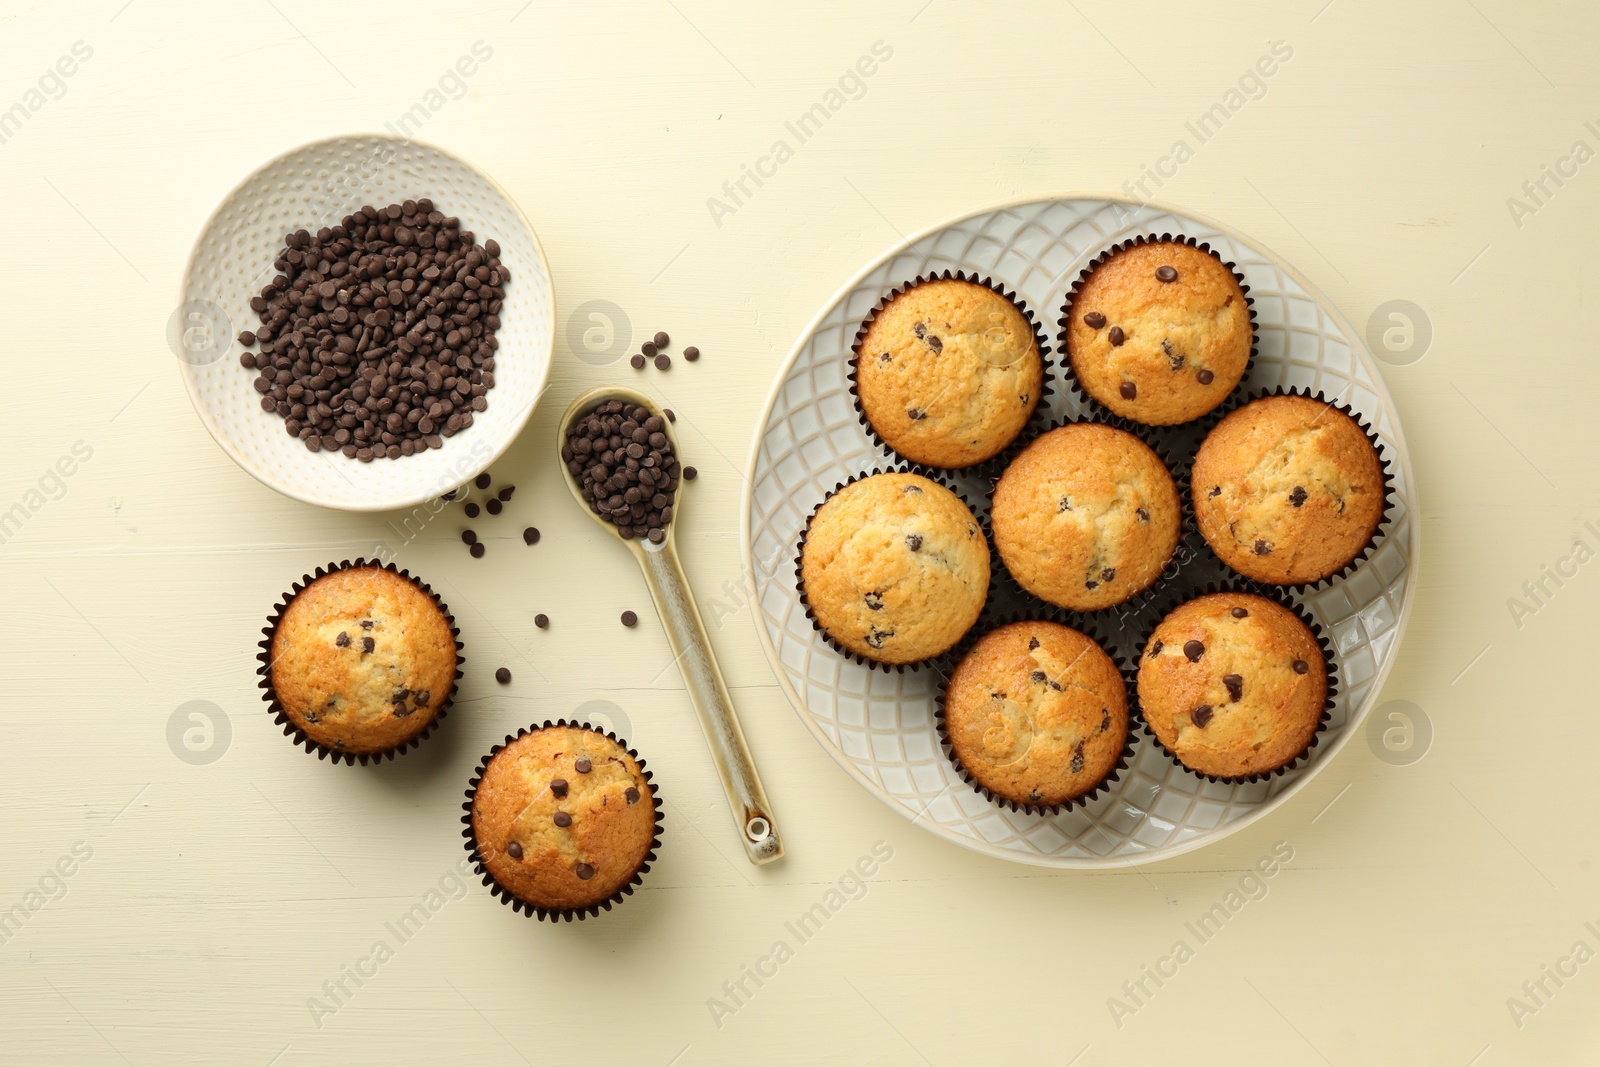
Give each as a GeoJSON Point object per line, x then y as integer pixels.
{"type": "Point", "coordinates": [316, 185]}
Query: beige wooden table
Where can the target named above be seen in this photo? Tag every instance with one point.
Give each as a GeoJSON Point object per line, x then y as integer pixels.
{"type": "Point", "coordinates": [167, 910]}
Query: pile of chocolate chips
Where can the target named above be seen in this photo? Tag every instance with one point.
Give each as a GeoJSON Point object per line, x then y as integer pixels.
{"type": "Point", "coordinates": [621, 456]}
{"type": "Point", "coordinates": [377, 335]}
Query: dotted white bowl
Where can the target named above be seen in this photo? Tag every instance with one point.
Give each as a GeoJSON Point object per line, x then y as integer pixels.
{"type": "Point", "coordinates": [316, 185]}
{"type": "Point", "coordinates": [880, 726]}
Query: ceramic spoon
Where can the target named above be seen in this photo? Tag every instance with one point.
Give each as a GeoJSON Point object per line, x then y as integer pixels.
{"type": "Point", "coordinates": [687, 635]}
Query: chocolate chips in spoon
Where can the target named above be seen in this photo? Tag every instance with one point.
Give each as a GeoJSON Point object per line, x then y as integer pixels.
{"type": "Point", "coordinates": [623, 460]}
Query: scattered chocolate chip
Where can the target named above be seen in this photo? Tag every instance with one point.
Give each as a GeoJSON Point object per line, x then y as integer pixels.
{"type": "Point", "coordinates": [670, 414]}
{"type": "Point", "coordinates": [914, 542]}
{"type": "Point", "coordinates": [368, 645]}
{"type": "Point", "coordinates": [477, 550]}
{"type": "Point", "coordinates": [493, 506]}
{"type": "Point", "coordinates": [558, 787]}
{"type": "Point", "coordinates": [690, 474]}
{"type": "Point", "coordinates": [1204, 377]}
{"type": "Point", "coordinates": [629, 619]}
{"type": "Point", "coordinates": [691, 353]}
{"type": "Point", "coordinates": [636, 361]}
{"type": "Point", "coordinates": [1116, 336]}
{"type": "Point", "coordinates": [562, 819]}
{"type": "Point", "coordinates": [1129, 390]}
{"type": "Point", "coordinates": [502, 675]}
{"type": "Point", "coordinates": [584, 871]}
{"type": "Point", "coordinates": [451, 495]}
{"type": "Point", "coordinates": [1235, 684]}
{"type": "Point", "coordinates": [1194, 650]}
{"type": "Point", "coordinates": [506, 491]}
{"type": "Point", "coordinates": [1239, 613]}
{"type": "Point", "coordinates": [649, 349]}
{"type": "Point", "coordinates": [1301, 666]}
{"type": "Point", "coordinates": [1094, 320]}
{"type": "Point", "coordinates": [541, 620]}
{"type": "Point", "coordinates": [469, 537]}
{"type": "Point", "coordinates": [1298, 497]}
{"type": "Point", "coordinates": [530, 536]}
{"type": "Point", "coordinates": [472, 511]}
{"type": "Point", "coordinates": [583, 766]}
{"type": "Point", "coordinates": [514, 850]}
{"type": "Point", "coordinates": [343, 640]}
{"type": "Point", "coordinates": [1166, 274]}
{"type": "Point", "coordinates": [247, 338]}
{"type": "Point", "coordinates": [1262, 548]}
{"type": "Point", "coordinates": [631, 795]}
{"type": "Point", "coordinates": [482, 480]}
{"type": "Point", "coordinates": [661, 339]}
{"type": "Point", "coordinates": [1201, 715]}
{"type": "Point", "coordinates": [663, 361]}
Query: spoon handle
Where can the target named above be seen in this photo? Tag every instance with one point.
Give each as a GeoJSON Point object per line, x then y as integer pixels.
{"type": "Point", "coordinates": [709, 694]}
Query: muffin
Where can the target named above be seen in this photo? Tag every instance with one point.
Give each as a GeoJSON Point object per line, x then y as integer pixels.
{"type": "Point", "coordinates": [1233, 685]}
{"type": "Point", "coordinates": [563, 818]}
{"type": "Point", "coordinates": [1086, 517]}
{"type": "Point", "coordinates": [362, 660]}
{"type": "Point", "coordinates": [894, 568]}
{"type": "Point", "coordinates": [1158, 332]}
{"type": "Point", "coordinates": [1288, 490]}
{"type": "Point", "coordinates": [948, 372]}
{"type": "Point", "coordinates": [1036, 713]}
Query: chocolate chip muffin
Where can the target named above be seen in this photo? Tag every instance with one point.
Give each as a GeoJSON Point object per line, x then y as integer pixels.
{"type": "Point", "coordinates": [948, 372]}
{"type": "Point", "coordinates": [362, 660]}
{"type": "Point", "coordinates": [1233, 685]}
{"type": "Point", "coordinates": [1158, 332]}
{"type": "Point", "coordinates": [563, 818]}
{"type": "Point", "coordinates": [1086, 517]}
{"type": "Point", "coordinates": [1036, 713]}
{"type": "Point", "coordinates": [1288, 489]}
{"type": "Point", "coordinates": [894, 568]}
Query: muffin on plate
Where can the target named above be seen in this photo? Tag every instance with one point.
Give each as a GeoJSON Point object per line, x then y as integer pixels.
{"type": "Point", "coordinates": [362, 660]}
{"type": "Point", "coordinates": [948, 372]}
{"type": "Point", "coordinates": [1086, 517]}
{"type": "Point", "coordinates": [563, 819]}
{"type": "Point", "coordinates": [1036, 713]}
{"type": "Point", "coordinates": [1288, 489]}
{"type": "Point", "coordinates": [894, 568]}
{"type": "Point", "coordinates": [1233, 685]}
{"type": "Point", "coordinates": [1158, 331]}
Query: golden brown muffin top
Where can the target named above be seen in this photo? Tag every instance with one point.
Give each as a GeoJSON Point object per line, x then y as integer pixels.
{"type": "Point", "coordinates": [1287, 489]}
{"type": "Point", "coordinates": [1233, 684]}
{"type": "Point", "coordinates": [1037, 713]}
{"type": "Point", "coordinates": [895, 568]}
{"type": "Point", "coordinates": [1086, 517]}
{"type": "Point", "coordinates": [949, 372]}
{"type": "Point", "coordinates": [1157, 351]}
{"type": "Point", "coordinates": [362, 660]}
{"type": "Point", "coordinates": [563, 817]}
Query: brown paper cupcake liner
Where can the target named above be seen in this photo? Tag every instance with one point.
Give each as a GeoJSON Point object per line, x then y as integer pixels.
{"type": "Point", "coordinates": [528, 908]}
{"type": "Point", "coordinates": [1093, 405]}
{"type": "Point", "coordinates": [933, 475]}
{"type": "Point", "coordinates": [1274, 594]}
{"type": "Point", "coordinates": [1083, 625]}
{"type": "Point", "coordinates": [1384, 466]}
{"type": "Point", "coordinates": [1041, 405]}
{"type": "Point", "coordinates": [275, 706]}
{"type": "Point", "coordinates": [1182, 553]}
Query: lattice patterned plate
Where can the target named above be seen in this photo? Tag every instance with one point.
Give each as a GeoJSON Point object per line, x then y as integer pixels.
{"type": "Point", "coordinates": [880, 725]}
{"type": "Point", "coordinates": [316, 185]}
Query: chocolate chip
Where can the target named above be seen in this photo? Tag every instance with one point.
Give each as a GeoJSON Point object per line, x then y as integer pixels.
{"type": "Point", "coordinates": [1174, 358]}
{"type": "Point", "coordinates": [1235, 684]}
{"type": "Point", "coordinates": [1094, 320]}
{"type": "Point", "coordinates": [1166, 273]}
{"type": "Point", "coordinates": [422, 697]}
{"type": "Point", "coordinates": [916, 414]}
{"type": "Point", "coordinates": [584, 871]}
{"type": "Point", "coordinates": [530, 536]}
{"type": "Point", "coordinates": [1301, 666]}
{"type": "Point", "coordinates": [1065, 504]}
{"type": "Point", "coordinates": [1116, 336]}
{"type": "Point", "coordinates": [1298, 497]}
{"type": "Point", "coordinates": [482, 480]}
{"type": "Point", "coordinates": [506, 491]}
{"type": "Point", "coordinates": [661, 339]}
{"type": "Point", "coordinates": [1155, 648]}
{"type": "Point", "coordinates": [874, 601]}
{"type": "Point", "coordinates": [690, 474]}
{"type": "Point", "coordinates": [631, 795]}
{"type": "Point", "coordinates": [649, 349]}
{"type": "Point", "coordinates": [1194, 650]}
{"type": "Point", "coordinates": [502, 675]}
{"type": "Point", "coordinates": [472, 511]}
{"type": "Point", "coordinates": [914, 542]}
{"type": "Point", "coordinates": [663, 361]}
{"type": "Point", "coordinates": [636, 361]}
{"type": "Point", "coordinates": [1216, 491]}
{"type": "Point", "coordinates": [1090, 583]}
{"type": "Point", "coordinates": [1077, 757]}
{"type": "Point", "coordinates": [1239, 613]}
{"type": "Point", "coordinates": [343, 640]}
{"type": "Point", "coordinates": [1204, 377]}
{"type": "Point", "coordinates": [1129, 390]}
{"type": "Point", "coordinates": [366, 624]}
{"type": "Point", "coordinates": [1109, 574]}
{"type": "Point", "coordinates": [625, 465]}
{"type": "Point", "coordinates": [1262, 548]}
{"type": "Point", "coordinates": [670, 414]}
{"type": "Point", "coordinates": [562, 819]}
{"type": "Point", "coordinates": [876, 637]}
{"type": "Point", "coordinates": [1037, 676]}
{"type": "Point", "coordinates": [493, 506]}
{"type": "Point", "coordinates": [935, 344]}
{"type": "Point", "coordinates": [629, 619]}
{"type": "Point", "coordinates": [514, 850]}
{"type": "Point", "coordinates": [1201, 715]}
{"type": "Point", "coordinates": [400, 694]}
{"type": "Point", "coordinates": [400, 709]}
{"type": "Point", "coordinates": [469, 537]}
{"type": "Point", "coordinates": [541, 620]}
{"type": "Point", "coordinates": [691, 353]}
{"type": "Point", "coordinates": [1033, 643]}
{"type": "Point", "coordinates": [558, 787]}
{"type": "Point", "coordinates": [477, 550]}
{"type": "Point", "coordinates": [583, 766]}
{"type": "Point", "coordinates": [368, 645]}
{"type": "Point", "coordinates": [1105, 719]}
{"type": "Point", "coordinates": [1144, 516]}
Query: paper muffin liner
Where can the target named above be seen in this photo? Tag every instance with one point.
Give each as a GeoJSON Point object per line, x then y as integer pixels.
{"type": "Point", "coordinates": [528, 908]}
{"type": "Point", "coordinates": [275, 706]}
{"type": "Point", "coordinates": [933, 475]}
{"type": "Point", "coordinates": [1095, 406]}
{"type": "Point", "coordinates": [1182, 553]}
{"type": "Point", "coordinates": [1083, 625]}
{"type": "Point", "coordinates": [1272, 593]}
{"type": "Point", "coordinates": [1384, 467]}
{"type": "Point", "coordinates": [1041, 405]}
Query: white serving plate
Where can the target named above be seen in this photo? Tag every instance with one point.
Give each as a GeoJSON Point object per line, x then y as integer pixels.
{"type": "Point", "coordinates": [317, 185]}
{"type": "Point", "coordinates": [880, 725]}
